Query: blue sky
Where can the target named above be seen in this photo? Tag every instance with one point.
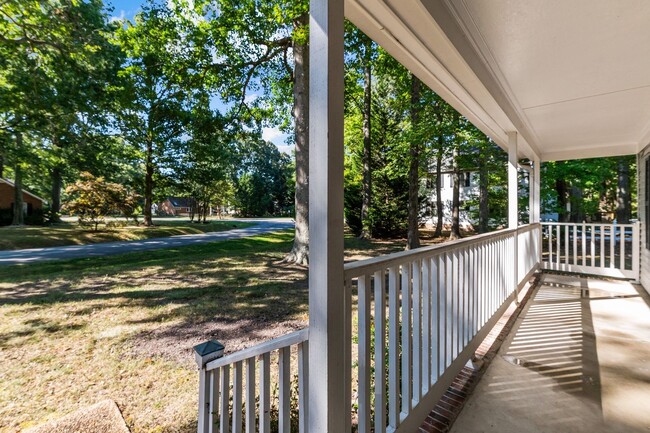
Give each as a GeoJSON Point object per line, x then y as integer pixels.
{"type": "Point", "coordinates": [128, 8]}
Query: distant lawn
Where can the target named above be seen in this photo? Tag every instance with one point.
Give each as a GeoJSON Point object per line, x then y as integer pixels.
{"type": "Point", "coordinates": [122, 327]}
{"type": "Point", "coordinates": [16, 238]}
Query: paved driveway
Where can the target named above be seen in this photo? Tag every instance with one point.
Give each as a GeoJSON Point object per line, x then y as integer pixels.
{"type": "Point", "coordinates": [110, 248]}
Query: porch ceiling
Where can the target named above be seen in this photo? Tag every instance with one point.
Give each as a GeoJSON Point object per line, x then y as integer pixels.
{"type": "Point", "coordinates": [571, 77]}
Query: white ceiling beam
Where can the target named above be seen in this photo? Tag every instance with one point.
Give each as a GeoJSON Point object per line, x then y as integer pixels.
{"type": "Point", "coordinates": [620, 149]}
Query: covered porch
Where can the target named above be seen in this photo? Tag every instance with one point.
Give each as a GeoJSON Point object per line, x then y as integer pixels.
{"type": "Point", "coordinates": [387, 336]}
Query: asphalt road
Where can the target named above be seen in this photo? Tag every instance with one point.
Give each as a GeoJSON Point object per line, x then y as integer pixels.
{"type": "Point", "coordinates": [35, 255]}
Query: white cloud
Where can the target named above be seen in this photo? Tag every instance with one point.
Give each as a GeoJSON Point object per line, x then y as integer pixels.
{"type": "Point", "coordinates": [271, 134]}
{"type": "Point", "coordinates": [120, 17]}
{"type": "Point", "coordinates": [251, 98]}
{"type": "Point", "coordinates": [285, 148]}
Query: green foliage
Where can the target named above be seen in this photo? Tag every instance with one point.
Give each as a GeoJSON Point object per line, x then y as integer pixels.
{"type": "Point", "coordinates": [263, 181]}
{"type": "Point", "coordinates": [584, 189]}
{"type": "Point", "coordinates": [58, 64]}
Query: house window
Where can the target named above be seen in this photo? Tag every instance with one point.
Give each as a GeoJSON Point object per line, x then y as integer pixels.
{"type": "Point", "coordinates": [467, 179]}
{"type": "Point", "coordinates": [647, 203]}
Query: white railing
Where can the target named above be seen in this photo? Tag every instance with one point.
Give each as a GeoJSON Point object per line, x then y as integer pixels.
{"type": "Point", "coordinates": [243, 405]}
{"type": "Point", "coordinates": [601, 249]}
{"type": "Point", "coordinates": [421, 314]}
{"type": "Point", "coordinates": [416, 319]}
{"type": "Point", "coordinates": [529, 250]}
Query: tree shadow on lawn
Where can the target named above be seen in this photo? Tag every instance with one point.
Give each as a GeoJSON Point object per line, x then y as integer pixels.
{"type": "Point", "coordinates": [233, 291]}
{"type": "Point", "coordinates": [174, 309]}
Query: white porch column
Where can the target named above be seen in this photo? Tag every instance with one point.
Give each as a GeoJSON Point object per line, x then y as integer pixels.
{"type": "Point", "coordinates": [513, 187]}
{"type": "Point", "coordinates": [531, 193]}
{"type": "Point", "coordinates": [536, 188]}
{"type": "Point", "coordinates": [513, 182]}
{"type": "Point", "coordinates": [327, 344]}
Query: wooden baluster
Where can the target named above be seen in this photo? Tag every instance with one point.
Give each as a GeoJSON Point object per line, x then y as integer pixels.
{"type": "Point", "coordinates": [435, 318]}
{"type": "Point", "coordinates": [442, 327]}
{"type": "Point", "coordinates": [449, 291]}
{"type": "Point", "coordinates": [601, 262]}
{"type": "Point", "coordinates": [250, 395]}
{"type": "Point", "coordinates": [426, 326]}
{"type": "Point", "coordinates": [416, 332]}
{"type": "Point", "coordinates": [237, 421]}
{"type": "Point", "coordinates": [550, 246]}
{"type": "Point", "coordinates": [364, 353]}
{"type": "Point", "coordinates": [575, 244]}
{"type": "Point", "coordinates": [265, 394]}
{"type": "Point", "coordinates": [225, 399]}
{"type": "Point", "coordinates": [622, 245]}
{"type": "Point", "coordinates": [558, 253]}
{"type": "Point", "coordinates": [566, 247]}
{"type": "Point", "coordinates": [406, 340]}
{"type": "Point", "coordinates": [584, 245]}
{"type": "Point", "coordinates": [303, 390]}
{"type": "Point", "coordinates": [612, 242]}
{"type": "Point", "coordinates": [592, 244]}
{"type": "Point", "coordinates": [214, 401]}
{"type": "Point", "coordinates": [380, 353]}
{"type": "Point", "coordinates": [284, 382]}
{"type": "Point", "coordinates": [393, 348]}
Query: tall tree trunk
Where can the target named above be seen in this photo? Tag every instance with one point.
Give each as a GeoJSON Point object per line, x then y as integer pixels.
{"type": "Point", "coordinates": [367, 145]}
{"type": "Point", "coordinates": [413, 235]}
{"type": "Point", "coordinates": [483, 203]}
{"type": "Point", "coordinates": [19, 216]}
{"type": "Point", "coordinates": [623, 199]}
{"type": "Point", "coordinates": [440, 212]}
{"type": "Point", "coordinates": [577, 214]}
{"type": "Point", "coordinates": [148, 185]}
{"type": "Point", "coordinates": [561, 189]}
{"type": "Point", "coordinates": [57, 185]}
{"type": "Point", "coordinates": [2, 166]}
{"type": "Point", "coordinates": [300, 252]}
{"type": "Point", "coordinates": [455, 201]}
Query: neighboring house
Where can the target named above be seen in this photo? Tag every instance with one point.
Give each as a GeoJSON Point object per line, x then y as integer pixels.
{"type": "Point", "coordinates": [468, 190]}
{"type": "Point", "coordinates": [31, 201]}
{"type": "Point", "coordinates": [176, 206]}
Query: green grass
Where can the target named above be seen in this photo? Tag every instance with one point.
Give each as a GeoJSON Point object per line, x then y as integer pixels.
{"type": "Point", "coordinates": [122, 327]}
{"type": "Point", "coordinates": [15, 238]}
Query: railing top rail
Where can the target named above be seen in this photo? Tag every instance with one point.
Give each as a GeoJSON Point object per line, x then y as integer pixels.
{"type": "Point", "coordinates": [367, 266]}
{"type": "Point", "coordinates": [268, 346]}
{"type": "Point", "coordinates": [552, 223]}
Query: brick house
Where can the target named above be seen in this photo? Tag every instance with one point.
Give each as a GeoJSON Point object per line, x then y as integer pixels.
{"type": "Point", "coordinates": [31, 201]}
{"type": "Point", "coordinates": [176, 206]}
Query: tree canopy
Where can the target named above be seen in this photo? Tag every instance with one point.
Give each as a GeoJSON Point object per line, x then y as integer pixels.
{"type": "Point", "coordinates": [173, 101]}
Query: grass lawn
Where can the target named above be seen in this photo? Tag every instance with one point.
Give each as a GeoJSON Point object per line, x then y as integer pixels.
{"type": "Point", "coordinates": [122, 327]}
{"type": "Point", "coordinates": [16, 238]}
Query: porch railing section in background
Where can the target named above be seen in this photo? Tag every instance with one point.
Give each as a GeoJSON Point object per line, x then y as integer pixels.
{"type": "Point", "coordinates": [600, 249]}
{"type": "Point", "coordinates": [413, 320]}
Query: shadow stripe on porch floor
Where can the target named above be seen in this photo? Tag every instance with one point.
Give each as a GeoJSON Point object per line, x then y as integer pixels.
{"type": "Point", "coordinates": [451, 403]}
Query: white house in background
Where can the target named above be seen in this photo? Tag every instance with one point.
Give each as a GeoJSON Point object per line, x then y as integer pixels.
{"type": "Point", "coordinates": [469, 189]}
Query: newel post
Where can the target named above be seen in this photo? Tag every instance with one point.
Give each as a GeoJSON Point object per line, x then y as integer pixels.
{"type": "Point", "coordinates": [204, 353]}
{"type": "Point", "coordinates": [513, 211]}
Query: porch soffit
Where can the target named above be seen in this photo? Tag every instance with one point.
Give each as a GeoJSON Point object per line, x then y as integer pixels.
{"type": "Point", "coordinates": [571, 77]}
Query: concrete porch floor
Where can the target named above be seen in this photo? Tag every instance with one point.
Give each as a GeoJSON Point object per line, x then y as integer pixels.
{"type": "Point", "coordinates": [576, 360]}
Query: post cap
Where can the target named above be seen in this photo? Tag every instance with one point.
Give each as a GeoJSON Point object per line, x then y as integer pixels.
{"type": "Point", "coordinates": [208, 351]}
